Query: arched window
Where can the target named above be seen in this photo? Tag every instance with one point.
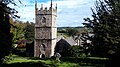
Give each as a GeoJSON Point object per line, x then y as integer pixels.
{"type": "Point", "coordinates": [42, 47]}
{"type": "Point", "coordinates": [43, 20]}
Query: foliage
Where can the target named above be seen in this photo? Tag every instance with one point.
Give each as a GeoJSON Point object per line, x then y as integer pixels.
{"type": "Point", "coordinates": [71, 31]}
{"type": "Point", "coordinates": [105, 25]}
{"type": "Point", "coordinates": [29, 31]}
{"type": "Point", "coordinates": [5, 36]}
{"type": "Point", "coordinates": [87, 45]}
{"type": "Point", "coordinates": [75, 51]}
{"type": "Point", "coordinates": [7, 58]}
{"type": "Point", "coordinates": [22, 30]}
{"type": "Point", "coordinates": [18, 30]}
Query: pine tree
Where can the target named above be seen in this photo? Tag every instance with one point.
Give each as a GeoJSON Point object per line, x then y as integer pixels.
{"type": "Point", "coordinates": [105, 25]}
{"type": "Point", "coordinates": [5, 35]}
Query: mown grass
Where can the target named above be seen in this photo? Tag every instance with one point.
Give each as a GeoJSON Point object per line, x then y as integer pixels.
{"type": "Point", "coordinates": [65, 62]}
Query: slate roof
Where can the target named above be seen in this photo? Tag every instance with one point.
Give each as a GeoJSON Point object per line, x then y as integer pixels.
{"type": "Point", "coordinates": [70, 40]}
{"type": "Point", "coordinates": [60, 37]}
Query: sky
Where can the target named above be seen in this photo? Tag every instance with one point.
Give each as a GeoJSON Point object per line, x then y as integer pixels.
{"type": "Point", "coordinates": [70, 12]}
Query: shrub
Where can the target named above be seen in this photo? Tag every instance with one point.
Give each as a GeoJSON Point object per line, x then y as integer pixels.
{"type": "Point", "coordinates": [75, 51]}
{"type": "Point", "coordinates": [7, 58]}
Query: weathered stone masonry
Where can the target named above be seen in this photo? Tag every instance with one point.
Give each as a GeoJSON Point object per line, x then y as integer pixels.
{"type": "Point", "coordinates": [45, 31]}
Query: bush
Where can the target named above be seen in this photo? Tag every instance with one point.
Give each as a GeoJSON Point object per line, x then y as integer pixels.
{"type": "Point", "coordinates": [7, 58]}
{"type": "Point", "coordinates": [75, 51]}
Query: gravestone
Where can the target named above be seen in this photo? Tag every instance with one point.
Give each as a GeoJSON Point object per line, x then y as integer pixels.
{"type": "Point", "coordinates": [57, 56]}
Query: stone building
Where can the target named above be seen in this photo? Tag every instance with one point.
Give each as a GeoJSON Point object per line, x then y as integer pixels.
{"type": "Point", "coordinates": [45, 31]}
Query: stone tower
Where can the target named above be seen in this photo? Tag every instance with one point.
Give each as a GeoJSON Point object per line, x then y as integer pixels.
{"type": "Point", "coordinates": [45, 31]}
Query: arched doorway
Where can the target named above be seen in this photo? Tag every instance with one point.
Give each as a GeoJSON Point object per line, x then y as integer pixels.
{"type": "Point", "coordinates": [42, 50]}
{"type": "Point", "coordinates": [42, 56]}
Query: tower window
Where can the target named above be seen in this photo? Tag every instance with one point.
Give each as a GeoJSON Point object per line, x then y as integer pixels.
{"type": "Point", "coordinates": [43, 19]}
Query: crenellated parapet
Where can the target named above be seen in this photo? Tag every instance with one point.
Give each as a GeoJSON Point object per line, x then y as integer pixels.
{"type": "Point", "coordinates": [46, 10]}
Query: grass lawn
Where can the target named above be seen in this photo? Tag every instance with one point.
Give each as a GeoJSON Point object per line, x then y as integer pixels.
{"type": "Point", "coordinates": [65, 62]}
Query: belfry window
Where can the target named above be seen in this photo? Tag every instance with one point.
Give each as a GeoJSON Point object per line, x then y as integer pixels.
{"type": "Point", "coordinates": [43, 20]}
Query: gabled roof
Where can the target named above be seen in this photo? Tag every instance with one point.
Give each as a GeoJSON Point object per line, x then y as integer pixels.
{"type": "Point", "coordinates": [21, 41]}
{"type": "Point", "coordinates": [71, 41]}
{"type": "Point", "coordinates": [60, 37]}
{"type": "Point", "coordinates": [63, 41]}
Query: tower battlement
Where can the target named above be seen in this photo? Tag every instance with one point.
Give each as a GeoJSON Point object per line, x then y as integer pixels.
{"type": "Point", "coordinates": [46, 10]}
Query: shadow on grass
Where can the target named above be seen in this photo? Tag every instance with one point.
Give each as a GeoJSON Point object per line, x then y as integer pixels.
{"type": "Point", "coordinates": [50, 62]}
{"type": "Point", "coordinates": [86, 61]}
{"type": "Point", "coordinates": [37, 58]}
{"type": "Point", "coordinates": [25, 64]}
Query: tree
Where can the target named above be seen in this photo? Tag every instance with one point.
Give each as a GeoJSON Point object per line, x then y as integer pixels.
{"type": "Point", "coordinates": [29, 31]}
{"type": "Point", "coordinates": [105, 25]}
{"type": "Point", "coordinates": [75, 51]}
{"type": "Point", "coordinates": [5, 35]}
{"type": "Point", "coordinates": [71, 31]}
{"type": "Point", "coordinates": [18, 30]}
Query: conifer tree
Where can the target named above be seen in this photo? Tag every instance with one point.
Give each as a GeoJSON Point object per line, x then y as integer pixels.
{"type": "Point", "coordinates": [105, 25]}
{"type": "Point", "coordinates": [5, 36]}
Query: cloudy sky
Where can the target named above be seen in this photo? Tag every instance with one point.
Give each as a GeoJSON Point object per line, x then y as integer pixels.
{"type": "Point", "coordinates": [70, 12]}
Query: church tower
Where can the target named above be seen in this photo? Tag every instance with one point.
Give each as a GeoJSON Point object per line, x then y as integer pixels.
{"type": "Point", "coordinates": [45, 31]}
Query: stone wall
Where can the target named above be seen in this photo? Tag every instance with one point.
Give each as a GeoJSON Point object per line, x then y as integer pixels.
{"type": "Point", "coordinates": [45, 31]}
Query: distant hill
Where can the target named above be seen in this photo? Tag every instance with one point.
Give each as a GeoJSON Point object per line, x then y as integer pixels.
{"type": "Point", "coordinates": [69, 31]}
{"type": "Point", "coordinates": [62, 28]}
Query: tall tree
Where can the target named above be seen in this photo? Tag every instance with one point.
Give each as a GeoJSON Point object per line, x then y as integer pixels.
{"type": "Point", "coordinates": [105, 25]}
{"type": "Point", "coordinates": [18, 30]}
{"type": "Point", "coordinates": [5, 35]}
{"type": "Point", "coordinates": [29, 31]}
